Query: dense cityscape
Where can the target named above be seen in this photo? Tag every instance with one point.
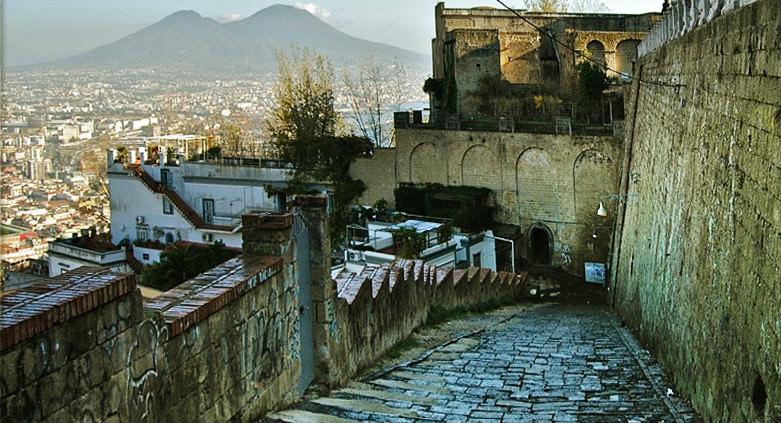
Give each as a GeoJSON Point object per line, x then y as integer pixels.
{"type": "Point", "coordinates": [563, 211]}
{"type": "Point", "coordinates": [58, 125]}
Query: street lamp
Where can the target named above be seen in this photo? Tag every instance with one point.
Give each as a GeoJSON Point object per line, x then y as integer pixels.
{"type": "Point", "coordinates": [602, 211]}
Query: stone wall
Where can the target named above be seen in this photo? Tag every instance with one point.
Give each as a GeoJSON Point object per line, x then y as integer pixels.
{"type": "Point", "coordinates": [554, 182]}
{"type": "Point", "coordinates": [484, 41]}
{"type": "Point", "coordinates": [222, 346]}
{"type": "Point", "coordinates": [375, 309]}
{"type": "Point", "coordinates": [65, 346]}
{"type": "Point", "coordinates": [699, 247]}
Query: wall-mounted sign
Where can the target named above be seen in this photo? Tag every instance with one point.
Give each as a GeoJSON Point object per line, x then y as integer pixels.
{"type": "Point", "coordinates": [595, 272]}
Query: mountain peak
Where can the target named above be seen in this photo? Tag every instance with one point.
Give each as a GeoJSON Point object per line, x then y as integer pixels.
{"type": "Point", "coordinates": [183, 15]}
{"type": "Point", "coordinates": [281, 10]}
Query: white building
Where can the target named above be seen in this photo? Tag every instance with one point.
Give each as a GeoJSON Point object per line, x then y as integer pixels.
{"type": "Point", "coordinates": [374, 245]}
{"type": "Point", "coordinates": [188, 201]}
{"type": "Point", "coordinates": [66, 255]}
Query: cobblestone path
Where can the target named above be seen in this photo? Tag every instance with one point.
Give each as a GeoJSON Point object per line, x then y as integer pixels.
{"type": "Point", "coordinates": [556, 363]}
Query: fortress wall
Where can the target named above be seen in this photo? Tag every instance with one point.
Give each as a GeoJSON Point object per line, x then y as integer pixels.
{"type": "Point", "coordinates": [555, 181]}
{"type": "Point", "coordinates": [698, 260]}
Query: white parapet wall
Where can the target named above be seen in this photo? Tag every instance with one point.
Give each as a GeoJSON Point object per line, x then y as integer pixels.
{"type": "Point", "coordinates": [683, 16]}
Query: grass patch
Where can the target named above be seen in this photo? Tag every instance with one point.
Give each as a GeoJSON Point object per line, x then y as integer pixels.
{"type": "Point", "coordinates": [405, 344]}
{"type": "Point", "coordinates": [438, 315]}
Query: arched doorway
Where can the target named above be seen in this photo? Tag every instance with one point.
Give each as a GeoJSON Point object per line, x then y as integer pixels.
{"type": "Point", "coordinates": [540, 242]}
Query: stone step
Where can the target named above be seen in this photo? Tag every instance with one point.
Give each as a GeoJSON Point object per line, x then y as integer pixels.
{"type": "Point", "coordinates": [397, 384]}
{"type": "Point", "coordinates": [367, 391]}
{"type": "Point", "coordinates": [302, 416]}
{"type": "Point", "coordinates": [366, 406]}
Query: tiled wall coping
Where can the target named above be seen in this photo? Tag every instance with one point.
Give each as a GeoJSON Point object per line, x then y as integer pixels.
{"type": "Point", "coordinates": [195, 300]}
{"type": "Point", "coordinates": [31, 310]}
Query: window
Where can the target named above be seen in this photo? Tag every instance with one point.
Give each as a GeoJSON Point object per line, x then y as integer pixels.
{"type": "Point", "coordinates": [142, 234]}
{"type": "Point", "coordinates": [476, 260]}
{"type": "Point", "coordinates": [168, 207]}
{"type": "Point", "coordinates": [165, 178]}
{"type": "Point", "coordinates": [208, 211]}
{"type": "Point", "coordinates": [145, 256]}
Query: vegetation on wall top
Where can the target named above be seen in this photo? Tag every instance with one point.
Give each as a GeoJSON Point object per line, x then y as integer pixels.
{"type": "Point", "coordinates": [181, 263]}
{"type": "Point", "coordinates": [469, 207]}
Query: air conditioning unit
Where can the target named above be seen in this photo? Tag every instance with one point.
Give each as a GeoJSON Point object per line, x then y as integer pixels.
{"type": "Point", "coordinates": [139, 220]}
{"type": "Point", "coordinates": [208, 237]}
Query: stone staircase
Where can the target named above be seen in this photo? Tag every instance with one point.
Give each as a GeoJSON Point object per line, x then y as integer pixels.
{"type": "Point", "coordinates": [194, 218]}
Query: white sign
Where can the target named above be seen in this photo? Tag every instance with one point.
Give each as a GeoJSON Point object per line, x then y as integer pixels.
{"type": "Point", "coordinates": [595, 273]}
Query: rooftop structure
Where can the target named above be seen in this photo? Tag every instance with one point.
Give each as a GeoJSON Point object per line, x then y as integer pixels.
{"type": "Point", "coordinates": [431, 240]}
{"type": "Point", "coordinates": [166, 200]}
{"type": "Point", "coordinates": [472, 44]}
{"type": "Point", "coordinates": [90, 249]}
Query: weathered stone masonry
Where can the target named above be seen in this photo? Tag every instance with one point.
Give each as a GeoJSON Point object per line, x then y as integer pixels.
{"type": "Point", "coordinates": [539, 180]}
{"type": "Point", "coordinates": [222, 346]}
{"type": "Point", "coordinates": [698, 263]}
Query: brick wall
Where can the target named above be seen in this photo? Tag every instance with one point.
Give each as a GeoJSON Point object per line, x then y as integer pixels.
{"type": "Point", "coordinates": [699, 256]}
{"type": "Point", "coordinates": [538, 179]}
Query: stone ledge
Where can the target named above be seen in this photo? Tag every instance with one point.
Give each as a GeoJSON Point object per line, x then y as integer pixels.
{"type": "Point", "coordinates": [267, 221]}
{"type": "Point", "coordinates": [29, 311]}
{"type": "Point", "coordinates": [195, 300]}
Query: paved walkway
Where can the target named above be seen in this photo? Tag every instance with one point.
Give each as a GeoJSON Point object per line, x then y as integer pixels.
{"type": "Point", "coordinates": [555, 363]}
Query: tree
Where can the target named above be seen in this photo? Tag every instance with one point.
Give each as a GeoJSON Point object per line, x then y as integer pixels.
{"type": "Point", "coordinates": [592, 81]}
{"type": "Point", "coordinates": [231, 139]}
{"type": "Point", "coordinates": [587, 6]}
{"type": "Point", "coordinates": [305, 130]}
{"type": "Point", "coordinates": [552, 6]}
{"type": "Point", "coordinates": [547, 6]}
{"type": "Point", "coordinates": [180, 263]}
{"type": "Point", "coordinates": [491, 91]}
{"type": "Point", "coordinates": [371, 89]}
{"type": "Point", "coordinates": [305, 110]}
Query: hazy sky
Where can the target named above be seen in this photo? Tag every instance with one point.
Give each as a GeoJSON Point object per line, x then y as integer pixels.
{"type": "Point", "coordinates": [42, 30]}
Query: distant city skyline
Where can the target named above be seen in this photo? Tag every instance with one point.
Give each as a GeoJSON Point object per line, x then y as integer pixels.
{"type": "Point", "coordinates": [44, 30]}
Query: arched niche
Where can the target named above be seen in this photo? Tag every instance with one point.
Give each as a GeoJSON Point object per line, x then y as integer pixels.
{"type": "Point", "coordinates": [426, 165]}
{"type": "Point", "coordinates": [480, 168]}
{"type": "Point", "coordinates": [592, 178]}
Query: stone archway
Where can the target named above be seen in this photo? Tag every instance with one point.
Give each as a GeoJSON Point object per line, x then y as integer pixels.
{"type": "Point", "coordinates": [596, 51]}
{"type": "Point", "coordinates": [626, 53]}
{"type": "Point", "coordinates": [540, 245]}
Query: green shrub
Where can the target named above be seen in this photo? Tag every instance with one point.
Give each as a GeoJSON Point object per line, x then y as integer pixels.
{"type": "Point", "coordinates": [180, 264]}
